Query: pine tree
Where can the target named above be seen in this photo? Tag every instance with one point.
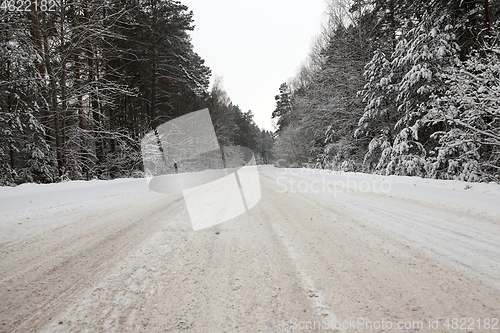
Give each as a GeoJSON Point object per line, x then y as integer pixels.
{"type": "Point", "coordinates": [283, 111]}
{"type": "Point", "coordinates": [398, 93]}
{"type": "Point", "coordinates": [469, 148]}
{"type": "Point", "coordinates": [25, 152]}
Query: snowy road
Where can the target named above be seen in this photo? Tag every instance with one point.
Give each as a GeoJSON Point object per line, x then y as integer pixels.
{"type": "Point", "coordinates": [320, 250]}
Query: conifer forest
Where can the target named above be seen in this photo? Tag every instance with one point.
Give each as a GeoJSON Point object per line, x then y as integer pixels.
{"type": "Point", "coordinates": [390, 87]}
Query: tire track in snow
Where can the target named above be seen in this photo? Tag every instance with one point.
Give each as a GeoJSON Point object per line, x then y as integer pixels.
{"type": "Point", "coordinates": [314, 293]}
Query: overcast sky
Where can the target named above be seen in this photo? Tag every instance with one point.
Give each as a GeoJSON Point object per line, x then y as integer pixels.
{"type": "Point", "coordinates": [255, 45]}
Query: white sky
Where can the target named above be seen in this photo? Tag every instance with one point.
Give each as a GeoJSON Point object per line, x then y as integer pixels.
{"type": "Point", "coordinates": [255, 45]}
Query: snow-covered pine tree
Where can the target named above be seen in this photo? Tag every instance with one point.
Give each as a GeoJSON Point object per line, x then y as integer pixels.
{"type": "Point", "coordinates": [9, 125]}
{"type": "Point", "coordinates": [470, 147]}
{"type": "Point", "coordinates": [283, 111]}
{"type": "Point", "coordinates": [378, 119]}
{"type": "Point", "coordinates": [24, 152]}
{"type": "Point", "coordinates": [39, 163]}
{"type": "Point", "coordinates": [399, 90]}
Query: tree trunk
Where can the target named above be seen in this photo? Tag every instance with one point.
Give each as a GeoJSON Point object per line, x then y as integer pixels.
{"type": "Point", "coordinates": [154, 65]}
{"type": "Point", "coordinates": [392, 22]}
{"type": "Point", "coordinates": [36, 36]}
{"type": "Point", "coordinates": [53, 99]}
{"type": "Point", "coordinates": [81, 117]}
{"type": "Point", "coordinates": [93, 96]}
{"type": "Point", "coordinates": [9, 110]}
{"type": "Point", "coordinates": [107, 110]}
{"type": "Point", "coordinates": [64, 102]}
{"type": "Point", "coordinates": [77, 72]}
{"type": "Point", "coordinates": [487, 17]}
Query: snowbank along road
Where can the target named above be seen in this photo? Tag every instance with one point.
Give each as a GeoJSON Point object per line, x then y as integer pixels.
{"type": "Point", "coordinates": [320, 252]}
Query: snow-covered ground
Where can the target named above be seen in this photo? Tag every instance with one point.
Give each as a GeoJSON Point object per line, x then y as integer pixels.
{"type": "Point", "coordinates": [30, 196]}
{"type": "Point", "coordinates": [455, 219]}
{"type": "Point", "coordinates": [325, 246]}
{"type": "Point", "coordinates": [475, 195]}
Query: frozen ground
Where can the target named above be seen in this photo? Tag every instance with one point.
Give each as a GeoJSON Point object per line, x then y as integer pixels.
{"type": "Point", "coordinates": [320, 247]}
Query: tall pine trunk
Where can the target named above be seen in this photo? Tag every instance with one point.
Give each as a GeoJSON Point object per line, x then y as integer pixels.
{"type": "Point", "coordinates": [36, 36]}
{"type": "Point", "coordinates": [62, 82]}
{"type": "Point", "coordinates": [53, 95]}
{"type": "Point", "coordinates": [153, 71]}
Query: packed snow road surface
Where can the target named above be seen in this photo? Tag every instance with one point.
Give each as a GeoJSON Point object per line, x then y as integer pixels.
{"type": "Point", "coordinates": [320, 252]}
